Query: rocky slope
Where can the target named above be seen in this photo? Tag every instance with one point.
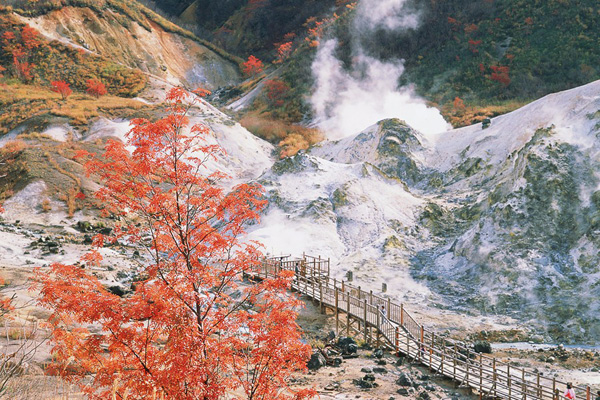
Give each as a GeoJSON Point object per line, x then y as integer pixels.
{"type": "Point", "coordinates": [498, 220]}
{"type": "Point", "coordinates": [148, 47]}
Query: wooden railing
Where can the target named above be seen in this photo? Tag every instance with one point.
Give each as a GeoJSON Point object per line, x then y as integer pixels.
{"type": "Point", "coordinates": [396, 329]}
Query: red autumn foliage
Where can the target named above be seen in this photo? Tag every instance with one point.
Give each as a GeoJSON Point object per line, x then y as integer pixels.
{"type": "Point", "coordinates": [529, 21]}
{"type": "Point", "coordinates": [473, 44]}
{"type": "Point", "coordinates": [19, 45]}
{"type": "Point", "coordinates": [471, 28]}
{"type": "Point", "coordinates": [500, 74]}
{"type": "Point", "coordinates": [284, 50]}
{"type": "Point", "coordinates": [189, 330]}
{"type": "Point", "coordinates": [95, 88]}
{"type": "Point", "coordinates": [62, 88]}
{"type": "Point", "coordinates": [253, 66]}
{"type": "Point", "coordinates": [277, 92]}
{"type": "Point", "coordinates": [481, 68]}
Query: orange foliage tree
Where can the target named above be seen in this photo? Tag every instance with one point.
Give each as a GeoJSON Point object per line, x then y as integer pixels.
{"type": "Point", "coordinates": [62, 88]}
{"type": "Point", "coordinates": [189, 329]}
{"type": "Point", "coordinates": [253, 66]}
{"type": "Point", "coordinates": [284, 50]}
{"type": "Point", "coordinates": [95, 88]}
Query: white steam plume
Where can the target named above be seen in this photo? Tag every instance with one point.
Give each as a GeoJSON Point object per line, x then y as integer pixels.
{"type": "Point", "coordinates": [346, 103]}
{"type": "Point", "coordinates": [385, 14]}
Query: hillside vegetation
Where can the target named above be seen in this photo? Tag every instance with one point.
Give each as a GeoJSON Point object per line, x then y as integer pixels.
{"type": "Point", "coordinates": [248, 27]}
{"type": "Point", "coordinates": [52, 60]}
{"type": "Point", "coordinates": [472, 59]}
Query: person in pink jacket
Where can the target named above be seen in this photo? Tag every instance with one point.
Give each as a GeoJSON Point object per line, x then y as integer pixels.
{"type": "Point", "coordinates": [569, 392]}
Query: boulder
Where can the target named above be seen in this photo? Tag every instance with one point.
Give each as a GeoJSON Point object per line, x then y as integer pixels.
{"type": "Point", "coordinates": [424, 396]}
{"type": "Point", "coordinates": [483, 346]}
{"type": "Point", "coordinates": [404, 380]}
{"type": "Point", "coordinates": [316, 361]}
{"type": "Point", "coordinates": [347, 345]}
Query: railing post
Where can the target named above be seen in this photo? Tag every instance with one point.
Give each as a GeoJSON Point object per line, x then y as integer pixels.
{"type": "Point", "coordinates": [443, 357]}
{"type": "Point", "coordinates": [454, 358]}
{"type": "Point", "coordinates": [524, 388]}
{"type": "Point", "coordinates": [312, 274]}
{"type": "Point", "coordinates": [337, 312]}
{"type": "Point", "coordinates": [495, 376]}
{"type": "Point", "coordinates": [467, 365]}
{"type": "Point", "coordinates": [588, 394]}
{"type": "Point", "coordinates": [365, 320]}
{"type": "Point", "coordinates": [539, 389]}
{"type": "Point", "coordinates": [397, 340]}
{"type": "Point", "coordinates": [421, 346]}
{"type": "Point", "coordinates": [408, 346]}
{"type": "Point", "coordinates": [554, 389]}
{"type": "Point", "coordinates": [320, 296]}
{"type": "Point", "coordinates": [378, 327]}
{"type": "Point", "coordinates": [480, 376]}
{"type": "Point", "coordinates": [402, 314]}
{"type": "Point", "coordinates": [343, 287]}
{"type": "Point", "coordinates": [431, 351]}
{"type": "Point", "coordinates": [348, 314]}
{"type": "Point", "coordinates": [371, 297]}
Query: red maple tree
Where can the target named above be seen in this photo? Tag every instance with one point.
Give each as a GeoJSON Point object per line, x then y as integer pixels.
{"type": "Point", "coordinates": [190, 329]}
{"type": "Point", "coordinates": [62, 88]}
{"type": "Point", "coordinates": [253, 66]}
{"type": "Point", "coordinates": [95, 88]}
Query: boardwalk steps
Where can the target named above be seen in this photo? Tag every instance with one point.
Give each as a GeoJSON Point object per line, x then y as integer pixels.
{"type": "Point", "coordinates": [384, 323]}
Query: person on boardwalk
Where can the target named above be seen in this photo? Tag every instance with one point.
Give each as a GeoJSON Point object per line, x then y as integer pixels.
{"type": "Point", "coordinates": [569, 392]}
{"type": "Point", "coordinates": [598, 395]}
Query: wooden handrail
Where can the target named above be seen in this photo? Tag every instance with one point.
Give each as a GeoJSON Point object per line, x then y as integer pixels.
{"type": "Point", "coordinates": [402, 333]}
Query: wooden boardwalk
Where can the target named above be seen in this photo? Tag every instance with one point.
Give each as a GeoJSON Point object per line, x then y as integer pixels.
{"type": "Point", "coordinates": [383, 323]}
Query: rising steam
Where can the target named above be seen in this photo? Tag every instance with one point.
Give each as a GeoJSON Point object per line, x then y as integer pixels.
{"type": "Point", "coordinates": [346, 102]}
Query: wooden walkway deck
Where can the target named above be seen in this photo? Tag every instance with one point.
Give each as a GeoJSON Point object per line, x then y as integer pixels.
{"type": "Point", "coordinates": [383, 323]}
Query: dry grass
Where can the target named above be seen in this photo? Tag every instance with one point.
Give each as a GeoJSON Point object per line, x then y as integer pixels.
{"type": "Point", "coordinates": [40, 387]}
{"type": "Point", "coordinates": [20, 102]}
{"type": "Point", "coordinates": [46, 207]}
{"type": "Point", "coordinates": [291, 138]}
{"type": "Point", "coordinates": [472, 114]}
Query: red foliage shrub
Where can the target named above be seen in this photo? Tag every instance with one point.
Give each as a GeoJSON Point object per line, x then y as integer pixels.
{"type": "Point", "coordinates": [253, 66]}
{"type": "Point", "coordinates": [95, 88]}
{"type": "Point", "coordinates": [62, 88]}
{"type": "Point", "coordinates": [500, 74]}
{"type": "Point", "coordinates": [277, 92]}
